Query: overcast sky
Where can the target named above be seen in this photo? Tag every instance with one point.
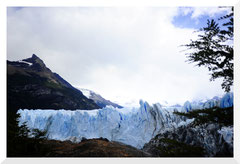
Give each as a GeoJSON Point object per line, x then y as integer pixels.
{"type": "Point", "coordinates": [125, 54]}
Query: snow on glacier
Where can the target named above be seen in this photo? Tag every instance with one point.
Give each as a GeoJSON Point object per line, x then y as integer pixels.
{"type": "Point", "coordinates": [132, 126]}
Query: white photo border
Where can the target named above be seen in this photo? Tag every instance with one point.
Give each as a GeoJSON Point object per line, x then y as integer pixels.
{"type": "Point", "coordinates": [118, 3]}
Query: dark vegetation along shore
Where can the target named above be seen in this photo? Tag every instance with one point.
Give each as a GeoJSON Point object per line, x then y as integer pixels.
{"type": "Point", "coordinates": [198, 139]}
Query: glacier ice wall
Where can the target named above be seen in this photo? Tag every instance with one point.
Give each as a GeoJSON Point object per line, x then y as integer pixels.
{"type": "Point", "coordinates": [132, 126]}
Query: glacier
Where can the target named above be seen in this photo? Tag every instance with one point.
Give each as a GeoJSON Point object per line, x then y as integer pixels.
{"type": "Point", "coordinates": [224, 102]}
{"type": "Point", "coordinates": [133, 126]}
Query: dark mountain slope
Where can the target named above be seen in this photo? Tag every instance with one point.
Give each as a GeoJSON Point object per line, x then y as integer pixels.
{"type": "Point", "coordinates": [31, 85]}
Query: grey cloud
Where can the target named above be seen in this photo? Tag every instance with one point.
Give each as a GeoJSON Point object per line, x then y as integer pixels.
{"type": "Point", "coordinates": [116, 51]}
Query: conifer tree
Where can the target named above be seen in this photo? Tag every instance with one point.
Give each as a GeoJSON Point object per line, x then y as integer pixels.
{"type": "Point", "coordinates": [214, 49]}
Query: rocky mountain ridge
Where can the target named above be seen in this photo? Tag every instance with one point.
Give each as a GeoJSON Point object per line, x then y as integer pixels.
{"type": "Point", "coordinates": [30, 84]}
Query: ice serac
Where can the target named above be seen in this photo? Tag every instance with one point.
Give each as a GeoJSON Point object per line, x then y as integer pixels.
{"type": "Point", "coordinates": [132, 126]}
{"type": "Point", "coordinates": [227, 100]}
{"type": "Point", "coordinates": [224, 102]}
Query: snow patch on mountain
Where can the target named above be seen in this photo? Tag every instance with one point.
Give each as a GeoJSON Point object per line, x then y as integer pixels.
{"type": "Point", "coordinates": [98, 99]}
{"type": "Point", "coordinates": [28, 63]}
{"type": "Point", "coordinates": [85, 92]}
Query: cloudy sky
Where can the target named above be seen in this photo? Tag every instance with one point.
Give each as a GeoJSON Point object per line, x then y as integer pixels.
{"type": "Point", "coordinates": [125, 54]}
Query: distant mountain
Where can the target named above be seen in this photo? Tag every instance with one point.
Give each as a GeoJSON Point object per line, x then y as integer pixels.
{"type": "Point", "coordinates": [31, 85]}
{"type": "Point", "coordinates": [98, 99]}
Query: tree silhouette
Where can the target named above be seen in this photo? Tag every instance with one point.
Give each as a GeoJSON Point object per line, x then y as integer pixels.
{"type": "Point", "coordinates": [214, 49]}
{"type": "Point", "coordinates": [23, 142]}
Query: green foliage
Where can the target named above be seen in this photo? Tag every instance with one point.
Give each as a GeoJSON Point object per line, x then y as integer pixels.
{"type": "Point", "coordinates": [38, 134]}
{"type": "Point", "coordinates": [214, 50]}
{"type": "Point", "coordinates": [52, 85]}
{"type": "Point", "coordinates": [23, 131]}
{"type": "Point", "coordinates": [172, 148]}
{"type": "Point", "coordinates": [222, 116]}
{"type": "Point", "coordinates": [19, 142]}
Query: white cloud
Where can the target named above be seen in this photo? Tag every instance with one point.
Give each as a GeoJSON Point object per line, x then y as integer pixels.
{"type": "Point", "coordinates": [208, 11]}
{"type": "Point", "coordinates": [197, 12]}
{"type": "Point", "coordinates": [118, 52]}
